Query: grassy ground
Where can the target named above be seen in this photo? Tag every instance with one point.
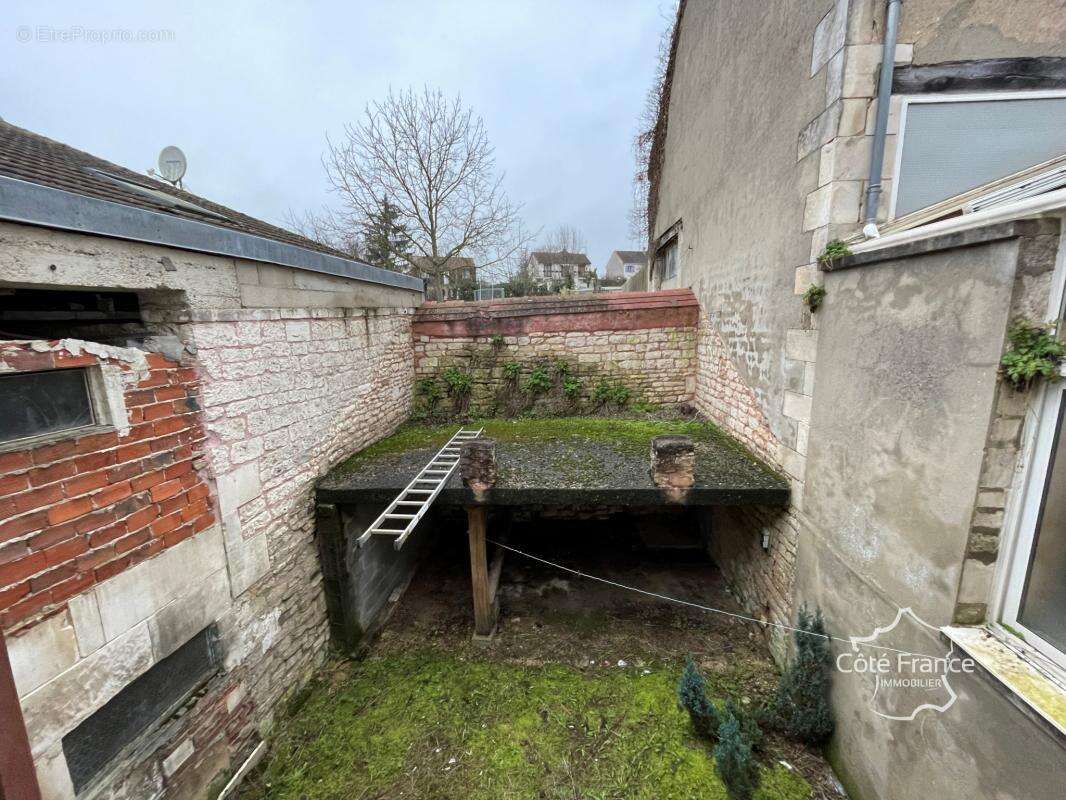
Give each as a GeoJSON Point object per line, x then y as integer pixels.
{"type": "Point", "coordinates": [546, 711]}
{"type": "Point", "coordinates": [434, 725]}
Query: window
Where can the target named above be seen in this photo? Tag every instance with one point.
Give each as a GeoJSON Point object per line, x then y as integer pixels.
{"type": "Point", "coordinates": [630, 269]}
{"type": "Point", "coordinates": [1035, 590]}
{"type": "Point", "coordinates": [949, 145]}
{"type": "Point", "coordinates": [35, 404]}
{"type": "Point", "coordinates": [143, 705]}
{"type": "Point", "coordinates": [666, 261]}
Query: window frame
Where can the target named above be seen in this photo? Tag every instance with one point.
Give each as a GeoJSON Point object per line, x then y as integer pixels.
{"type": "Point", "coordinates": [671, 237]}
{"type": "Point", "coordinates": [1024, 501]}
{"type": "Point", "coordinates": [907, 100]}
{"type": "Point", "coordinates": [99, 405]}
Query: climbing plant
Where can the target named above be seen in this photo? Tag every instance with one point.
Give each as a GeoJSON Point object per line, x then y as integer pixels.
{"type": "Point", "coordinates": [1035, 352]}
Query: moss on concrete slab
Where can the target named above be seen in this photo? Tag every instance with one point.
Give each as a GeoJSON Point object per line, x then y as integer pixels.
{"type": "Point", "coordinates": [564, 453]}
{"type": "Point", "coordinates": [431, 724]}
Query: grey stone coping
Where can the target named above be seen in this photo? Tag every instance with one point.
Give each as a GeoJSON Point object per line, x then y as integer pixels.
{"type": "Point", "coordinates": [567, 471]}
{"type": "Point", "coordinates": [970, 237]}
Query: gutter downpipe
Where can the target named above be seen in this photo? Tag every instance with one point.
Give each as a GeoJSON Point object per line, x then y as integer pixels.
{"type": "Point", "coordinates": [884, 96]}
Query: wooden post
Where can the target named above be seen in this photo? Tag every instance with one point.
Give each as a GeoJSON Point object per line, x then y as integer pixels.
{"type": "Point", "coordinates": [18, 778]}
{"type": "Point", "coordinates": [484, 616]}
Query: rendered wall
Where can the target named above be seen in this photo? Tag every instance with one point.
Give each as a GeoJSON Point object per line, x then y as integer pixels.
{"type": "Point", "coordinates": [910, 346]}
{"type": "Point", "coordinates": [294, 371]}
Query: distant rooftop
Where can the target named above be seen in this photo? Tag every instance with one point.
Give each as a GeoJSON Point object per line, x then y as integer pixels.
{"type": "Point", "coordinates": [631, 256]}
{"type": "Point", "coordinates": [547, 257]}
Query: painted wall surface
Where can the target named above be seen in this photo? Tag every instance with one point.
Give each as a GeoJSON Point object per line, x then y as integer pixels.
{"type": "Point", "coordinates": [732, 178]}
{"type": "Point", "coordinates": [910, 347]}
{"type": "Point", "coordinates": [295, 370]}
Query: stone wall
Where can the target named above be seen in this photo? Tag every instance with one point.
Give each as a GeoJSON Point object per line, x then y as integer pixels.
{"type": "Point", "coordinates": [644, 341]}
{"type": "Point", "coordinates": [294, 371]}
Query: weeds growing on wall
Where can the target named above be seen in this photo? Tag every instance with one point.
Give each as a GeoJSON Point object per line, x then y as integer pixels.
{"type": "Point", "coordinates": [459, 385]}
{"type": "Point", "coordinates": [610, 394]}
{"type": "Point", "coordinates": [834, 250]}
{"type": "Point", "coordinates": [1035, 352]}
{"type": "Point", "coordinates": [538, 381]}
{"type": "Point", "coordinates": [813, 297]}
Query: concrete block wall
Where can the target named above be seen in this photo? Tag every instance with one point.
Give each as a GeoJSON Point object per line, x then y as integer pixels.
{"type": "Point", "coordinates": [643, 340]}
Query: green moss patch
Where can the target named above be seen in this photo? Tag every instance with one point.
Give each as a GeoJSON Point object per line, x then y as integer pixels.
{"type": "Point", "coordinates": [629, 437]}
{"type": "Point", "coordinates": [430, 724]}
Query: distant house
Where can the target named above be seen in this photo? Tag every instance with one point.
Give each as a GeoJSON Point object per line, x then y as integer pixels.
{"type": "Point", "coordinates": [625, 263]}
{"type": "Point", "coordinates": [546, 267]}
{"type": "Point", "coordinates": [461, 271]}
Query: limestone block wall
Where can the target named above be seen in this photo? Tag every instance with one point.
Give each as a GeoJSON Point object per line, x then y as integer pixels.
{"type": "Point", "coordinates": [645, 341]}
{"type": "Point", "coordinates": [287, 372]}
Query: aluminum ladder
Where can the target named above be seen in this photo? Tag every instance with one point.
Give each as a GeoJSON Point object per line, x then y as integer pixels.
{"type": "Point", "coordinates": [404, 513]}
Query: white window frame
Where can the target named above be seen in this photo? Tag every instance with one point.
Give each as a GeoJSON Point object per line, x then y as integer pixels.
{"type": "Point", "coordinates": [907, 100]}
{"type": "Point", "coordinates": [1024, 502]}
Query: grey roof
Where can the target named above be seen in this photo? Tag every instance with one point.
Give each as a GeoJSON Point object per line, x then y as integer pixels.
{"type": "Point", "coordinates": [31, 165]}
{"type": "Point", "coordinates": [547, 257]}
{"type": "Point", "coordinates": [631, 256]}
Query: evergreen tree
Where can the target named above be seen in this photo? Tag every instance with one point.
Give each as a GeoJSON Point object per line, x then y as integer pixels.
{"type": "Point", "coordinates": [800, 708]}
{"type": "Point", "coordinates": [734, 756]}
{"type": "Point", "coordinates": [385, 237]}
{"type": "Point", "coordinates": [692, 696]}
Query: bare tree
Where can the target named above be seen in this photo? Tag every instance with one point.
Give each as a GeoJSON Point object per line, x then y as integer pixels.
{"type": "Point", "coordinates": [433, 159]}
{"type": "Point", "coordinates": [566, 238]}
{"type": "Point", "coordinates": [326, 228]}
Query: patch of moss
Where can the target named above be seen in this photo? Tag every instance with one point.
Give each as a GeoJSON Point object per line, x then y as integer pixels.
{"type": "Point", "coordinates": [436, 725]}
{"type": "Point", "coordinates": [627, 436]}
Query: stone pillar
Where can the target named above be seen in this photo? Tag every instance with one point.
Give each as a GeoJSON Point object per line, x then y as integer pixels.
{"type": "Point", "coordinates": [477, 467]}
{"type": "Point", "coordinates": [673, 464]}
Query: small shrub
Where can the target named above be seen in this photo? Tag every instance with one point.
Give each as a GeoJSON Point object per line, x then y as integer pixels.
{"type": "Point", "coordinates": [497, 341]}
{"type": "Point", "coordinates": [610, 393]}
{"type": "Point", "coordinates": [562, 368]}
{"type": "Point", "coordinates": [1035, 352]}
{"type": "Point", "coordinates": [692, 696]}
{"type": "Point", "coordinates": [538, 381]}
{"type": "Point", "coordinates": [511, 371]}
{"type": "Point", "coordinates": [735, 758]}
{"type": "Point", "coordinates": [800, 708]}
{"type": "Point", "coordinates": [813, 297]}
{"type": "Point", "coordinates": [429, 391]}
{"type": "Point", "coordinates": [834, 249]}
{"type": "Point", "coordinates": [571, 387]}
{"type": "Point", "coordinates": [459, 382]}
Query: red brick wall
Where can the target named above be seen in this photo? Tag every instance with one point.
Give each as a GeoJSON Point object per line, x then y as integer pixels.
{"type": "Point", "coordinates": [77, 511]}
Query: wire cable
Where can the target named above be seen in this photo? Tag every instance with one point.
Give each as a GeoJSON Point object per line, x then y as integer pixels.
{"type": "Point", "coordinates": [690, 604]}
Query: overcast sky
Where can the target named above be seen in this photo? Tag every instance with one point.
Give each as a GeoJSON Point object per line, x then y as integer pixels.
{"type": "Point", "coordinates": [250, 94]}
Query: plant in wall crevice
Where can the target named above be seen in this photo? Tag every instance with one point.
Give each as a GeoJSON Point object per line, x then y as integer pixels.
{"type": "Point", "coordinates": [813, 297]}
{"type": "Point", "coordinates": [834, 249]}
{"type": "Point", "coordinates": [1035, 351]}
{"type": "Point", "coordinates": [511, 371]}
{"type": "Point", "coordinates": [460, 384]}
{"type": "Point", "coordinates": [538, 381]}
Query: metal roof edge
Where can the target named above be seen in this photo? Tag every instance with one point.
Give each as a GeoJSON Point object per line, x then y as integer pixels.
{"type": "Point", "coordinates": [34, 204]}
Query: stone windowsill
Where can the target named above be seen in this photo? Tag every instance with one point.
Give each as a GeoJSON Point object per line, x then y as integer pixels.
{"type": "Point", "coordinates": [1033, 689]}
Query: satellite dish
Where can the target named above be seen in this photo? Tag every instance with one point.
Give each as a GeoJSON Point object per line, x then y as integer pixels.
{"type": "Point", "coordinates": [172, 164]}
